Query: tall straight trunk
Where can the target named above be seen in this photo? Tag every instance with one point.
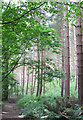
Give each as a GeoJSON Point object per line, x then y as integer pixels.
{"type": "Point", "coordinates": [27, 82]}
{"type": "Point", "coordinates": [59, 83]}
{"type": "Point", "coordinates": [32, 82]}
{"type": "Point", "coordinates": [41, 73]}
{"type": "Point", "coordinates": [17, 89]}
{"type": "Point", "coordinates": [44, 74]}
{"type": "Point", "coordinates": [43, 87]}
{"type": "Point", "coordinates": [67, 58]}
{"type": "Point", "coordinates": [38, 80]}
{"type": "Point", "coordinates": [80, 59]}
{"type": "Point", "coordinates": [73, 60]}
{"type": "Point", "coordinates": [62, 38]}
{"type": "Point", "coordinates": [23, 80]}
{"type": "Point", "coordinates": [27, 71]}
{"type": "Point", "coordinates": [76, 72]}
{"type": "Point", "coordinates": [58, 64]}
{"type": "Point", "coordinates": [73, 53]}
{"type": "Point", "coordinates": [23, 77]}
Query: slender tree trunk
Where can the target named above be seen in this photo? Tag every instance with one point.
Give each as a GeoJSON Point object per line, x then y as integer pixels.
{"type": "Point", "coordinates": [32, 83]}
{"type": "Point", "coordinates": [59, 83]}
{"type": "Point", "coordinates": [43, 87]}
{"type": "Point", "coordinates": [17, 89]}
{"type": "Point", "coordinates": [62, 38]}
{"type": "Point", "coordinates": [38, 80]}
{"type": "Point", "coordinates": [76, 70]}
{"type": "Point", "coordinates": [58, 64]}
{"type": "Point", "coordinates": [41, 72]}
{"type": "Point", "coordinates": [72, 49]}
{"type": "Point", "coordinates": [44, 74]}
{"type": "Point", "coordinates": [80, 60]}
{"type": "Point", "coordinates": [67, 59]}
{"type": "Point", "coordinates": [27, 82]}
{"type": "Point", "coordinates": [23, 78]}
{"type": "Point", "coordinates": [27, 71]}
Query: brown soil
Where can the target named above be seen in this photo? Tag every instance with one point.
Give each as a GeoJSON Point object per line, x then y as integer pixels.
{"type": "Point", "coordinates": [10, 109]}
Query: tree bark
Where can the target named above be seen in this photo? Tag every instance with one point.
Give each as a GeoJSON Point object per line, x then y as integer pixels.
{"type": "Point", "coordinates": [27, 81]}
{"type": "Point", "coordinates": [67, 59]}
{"type": "Point", "coordinates": [80, 59]}
{"type": "Point", "coordinates": [44, 74]}
{"type": "Point", "coordinates": [62, 38]}
{"type": "Point", "coordinates": [42, 57]}
{"type": "Point", "coordinates": [32, 82]}
{"type": "Point", "coordinates": [17, 89]}
{"type": "Point", "coordinates": [76, 69]}
{"type": "Point", "coordinates": [38, 80]}
{"type": "Point", "coordinates": [23, 77]}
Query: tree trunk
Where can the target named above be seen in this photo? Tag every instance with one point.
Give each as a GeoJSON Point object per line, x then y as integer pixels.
{"type": "Point", "coordinates": [76, 72]}
{"type": "Point", "coordinates": [41, 73]}
{"type": "Point", "coordinates": [72, 49]}
{"type": "Point", "coordinates": [43, 87]}
{"type": "Point", "coordinates": [23, 76]}
{"type": "Point", "coordinates": [67, 58]}
{"type": "Point", "coordinates": [23, 80]}
{"type": "Point", "coordinates": [27, 82]}
{"type": "Point", "coordinates": [44, 74]}
{"type": "Point", "coordinates": [62, 38]}
{"type": "Point", "coordinates": [32, 82]}
{"type": "Point", "coordinates": [80, 60]}
{"type": "Point", "coordinates": [17, 89]}
{"type": "Point", "coordinates": [59, 83]}
{"type": "Point", "coordinates": [38, 80]}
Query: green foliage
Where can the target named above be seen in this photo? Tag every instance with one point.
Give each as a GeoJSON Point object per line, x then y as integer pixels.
{"type": "Point", "coordinates": [11, 80]}
{"type": "Point", "coordinates": [35, 105]}
{"type": "Point", "coordinates": [51, 74]}
{"type": "Point", "coordinates": [72, 77]}
{"type": "Point", "coordinates": [25, 100]}
{"type": "Point", "coordinates": [1, 104]}
{"type": "Point", "coordinates": [50, 107]}
{"type": "Point", "coordinates": [24, 31]}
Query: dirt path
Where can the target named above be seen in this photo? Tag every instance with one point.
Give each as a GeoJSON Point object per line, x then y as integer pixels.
{"type": "Point", "coordinates": [10, 109]}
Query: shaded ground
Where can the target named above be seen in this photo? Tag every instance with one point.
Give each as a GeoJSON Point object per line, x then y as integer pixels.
{"type": "Point", "coordinates": [10, 109]}
{"type": "Point", "coordinates": [12, 112]}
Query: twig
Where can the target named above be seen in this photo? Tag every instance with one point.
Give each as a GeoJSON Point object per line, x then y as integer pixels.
{"type": "Point", "coordinates": [8, 5]}
{"type": "Point", "coordinates": [23, 14]}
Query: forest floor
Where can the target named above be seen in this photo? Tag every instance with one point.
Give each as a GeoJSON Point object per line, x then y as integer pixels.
{"type": "Point", "coordinates": [10, 110]}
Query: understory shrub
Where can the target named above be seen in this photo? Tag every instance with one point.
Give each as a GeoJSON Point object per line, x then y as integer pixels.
{"type": "Point", "coordinates": [50, 107]}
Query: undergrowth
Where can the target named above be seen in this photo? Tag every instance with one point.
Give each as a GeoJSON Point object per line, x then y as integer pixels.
{"type": "Point", "coordinates": [50, 107]}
